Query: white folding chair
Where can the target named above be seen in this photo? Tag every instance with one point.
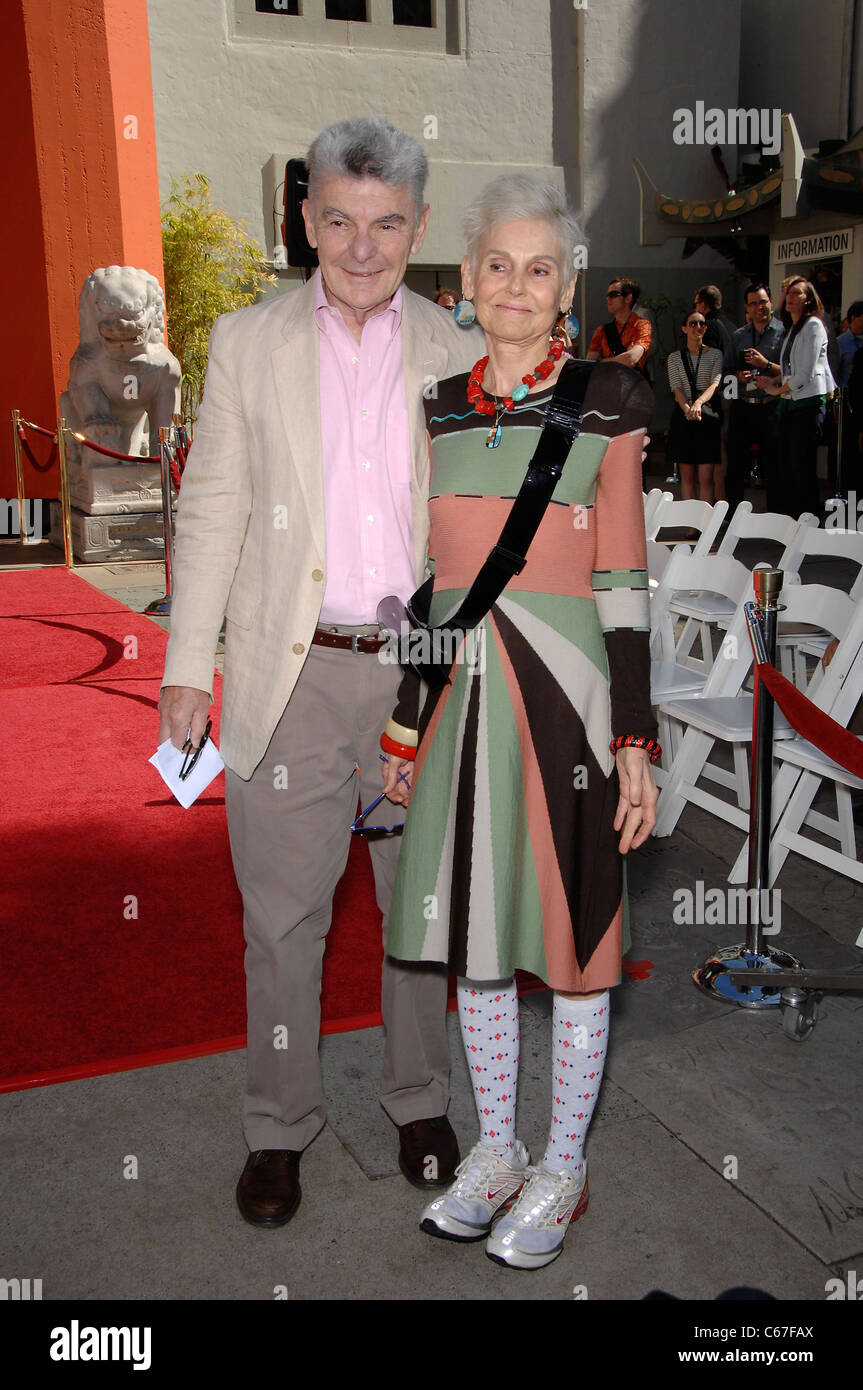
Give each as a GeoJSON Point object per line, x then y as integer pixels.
{"type": "Point", "coordinates": [703, 610]}
{"type": "Point", "coordinates": [670, 679]}
{"type": "Point", "coordinates": [795, 642]}
{"type": "Point", "coordinates": [726, 718]}
{"type": "Point", "coordinates": [800, 770]}
{"type": "Point", "coordinates": [652, 500]}
{"type": "Point", "coordinates": [672, 514]}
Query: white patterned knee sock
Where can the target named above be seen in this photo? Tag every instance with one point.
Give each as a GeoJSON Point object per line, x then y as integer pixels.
{"type": "Point", "coordinates": [579, 1041]}
{"type": "Point", "coordinates": [489, 1027]}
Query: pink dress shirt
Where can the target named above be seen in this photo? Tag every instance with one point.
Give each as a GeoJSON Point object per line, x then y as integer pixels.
{"type": "Point", "coordinates": [365, 440]}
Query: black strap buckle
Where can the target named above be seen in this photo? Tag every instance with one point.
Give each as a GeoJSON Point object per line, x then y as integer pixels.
{"type": "Point", "coordinates": [564, 417]}
{"type": "Point", "coordinates": [510, 559]}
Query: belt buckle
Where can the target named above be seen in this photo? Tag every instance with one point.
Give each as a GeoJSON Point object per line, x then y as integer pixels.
{"type": "Point", "coordinates": [355, 643]}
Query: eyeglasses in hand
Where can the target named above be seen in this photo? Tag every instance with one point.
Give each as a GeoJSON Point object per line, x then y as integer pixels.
{"type": "Point", "coordinates": [193, 753]}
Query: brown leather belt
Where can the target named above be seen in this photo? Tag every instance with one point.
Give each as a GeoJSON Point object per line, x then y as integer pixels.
{"type": "Point", "coordinates": [348, 641]}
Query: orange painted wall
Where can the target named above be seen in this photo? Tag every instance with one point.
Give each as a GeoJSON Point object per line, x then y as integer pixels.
{"type": "Point", "coordinates": [83, 193]}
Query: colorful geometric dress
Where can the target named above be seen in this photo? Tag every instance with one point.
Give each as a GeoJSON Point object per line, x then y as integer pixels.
{"type": "Point", "coordinates": [509, 857]}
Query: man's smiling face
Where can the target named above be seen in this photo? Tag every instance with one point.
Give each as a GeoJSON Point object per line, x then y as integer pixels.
{"type": "Point", "coordinates": [365, 232]}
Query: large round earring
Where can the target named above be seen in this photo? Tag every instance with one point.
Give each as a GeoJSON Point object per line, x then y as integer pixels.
{"type": "Point", "coordinates": [464, 313]}
{"type": "Point", "coordinates": [572, 326]}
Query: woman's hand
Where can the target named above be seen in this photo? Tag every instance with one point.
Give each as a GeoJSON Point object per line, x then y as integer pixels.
{"type": "Point", "coordinates": [771, 384]}
{"type": "Point", "coordinates": [694, 412]}
{"type": "Point", "coordinates": [394, 787]}
{"type": "Point", "coordinates": [636, 809]}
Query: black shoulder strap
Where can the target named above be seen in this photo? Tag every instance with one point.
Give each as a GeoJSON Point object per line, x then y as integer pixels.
{"type": "Point", "coordinates": [613, 338]}
{"type": "Point", "coordinates": [563, 419]}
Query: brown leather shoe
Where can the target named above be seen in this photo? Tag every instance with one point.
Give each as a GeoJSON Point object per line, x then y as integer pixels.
{"type": "Point", "coordinates": [428, 1152]}
{"type": "Point", "coordinates": [268, 1192]}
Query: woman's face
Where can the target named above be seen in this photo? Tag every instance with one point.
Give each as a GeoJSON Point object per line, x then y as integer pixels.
{"type": "Point", "coordinates": [521, 283]}
{"type": "Point", "coordinates": [795, 300]}
{"type": "Point", "coordinates": [694, 328]}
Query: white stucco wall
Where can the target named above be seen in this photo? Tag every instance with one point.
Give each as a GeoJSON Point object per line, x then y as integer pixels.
{"type": "Point", "coordinates": [225, 106]}
{"type": "Point", "coordinates": [798, 54]}
{"type": "Point", "coordinates": [642, 62]}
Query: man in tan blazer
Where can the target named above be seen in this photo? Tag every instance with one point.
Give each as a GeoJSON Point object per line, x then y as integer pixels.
{"type": "Point", "coordinates": [276, 534]}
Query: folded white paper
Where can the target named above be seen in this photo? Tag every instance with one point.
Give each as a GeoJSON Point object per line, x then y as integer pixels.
{"type": "Point", "coordinates": [167, 760]}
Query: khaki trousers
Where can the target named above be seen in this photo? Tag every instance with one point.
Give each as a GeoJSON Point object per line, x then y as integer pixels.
{"type": "Point", "coordinates": [289, 836]}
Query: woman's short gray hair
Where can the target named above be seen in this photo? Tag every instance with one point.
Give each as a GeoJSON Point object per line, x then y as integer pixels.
{"type": "Point", "coordinates": [524, 198]}
{"type": "Point", "coordinates": [369, 147]}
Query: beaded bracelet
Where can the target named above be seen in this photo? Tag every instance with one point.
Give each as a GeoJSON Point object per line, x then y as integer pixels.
{"type": "Point", "coordinates": [650, 745]}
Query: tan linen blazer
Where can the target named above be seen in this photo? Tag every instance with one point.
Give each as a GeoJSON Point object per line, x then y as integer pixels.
{"type": "Point", "coordinates": [250, 539]}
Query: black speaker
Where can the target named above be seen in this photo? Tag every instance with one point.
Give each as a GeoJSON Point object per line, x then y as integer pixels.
{"type": "Point", "coordinates": [300, 253]}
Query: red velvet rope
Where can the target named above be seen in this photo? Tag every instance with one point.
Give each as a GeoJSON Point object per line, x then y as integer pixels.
{"type": "Point", "coordinates": [111, 454]}
{"type": "Point", "coordinates": [40, 429]}
{"type": "Point", "coordinates": [814, 725]}
{"type": "Point", "coordinates": [31, 458]}
{"type": "Point", "coordinates": [178, 461]}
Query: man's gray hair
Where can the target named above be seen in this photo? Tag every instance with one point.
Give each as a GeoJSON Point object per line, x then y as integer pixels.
{"type": "Point", "coordinates": [524, 198]}
{"type": "Point", "coordinates": [369, 147]}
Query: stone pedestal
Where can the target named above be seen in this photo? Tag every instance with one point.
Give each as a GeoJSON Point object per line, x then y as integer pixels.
{"type": "Point", "coordinates": [117, 536]}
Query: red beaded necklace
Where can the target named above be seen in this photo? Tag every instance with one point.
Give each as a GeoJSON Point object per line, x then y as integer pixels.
{"type": "Point", "coordinates": [477, 399]}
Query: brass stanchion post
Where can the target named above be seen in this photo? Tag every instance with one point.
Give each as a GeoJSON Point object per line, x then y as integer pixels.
{"type": "Point", "coordinates": [65, 506]}
{"type": "Point", "coordinates": [19, 472]}
{"type": "Point", "coordinates": [725, 976]}
{"type": "Point", "coordinates": [161, 607]}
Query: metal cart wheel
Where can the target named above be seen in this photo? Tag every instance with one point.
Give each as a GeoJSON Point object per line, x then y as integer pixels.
{"type": "Point", "coordinates": [799, 1013]}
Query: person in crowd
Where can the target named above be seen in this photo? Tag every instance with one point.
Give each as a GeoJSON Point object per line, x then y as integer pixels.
{"type": "Point", "coordinates": [851, 341]}
{"type": "Point", "coordinates": [446, 299]}
{"type": "Point", "coordinates": [529, 773]}
{"type": "Point", "coordinates": [850, 345]}
{"type": "Point", "coordinates": [720, 328]}
{"type": "Point", "coordinates": [834, 360]}
{"type": "Point", "coordinates": [303, 503]}
{"type": "Point", "coordinates": [752, 415]}
{"type": "Point", "coordinates": [718, 334]}
{"type": "Point", "coordinates": [626, 337]}
{"type": "Point", "coordinates": [559, 331]}
{"type": "Point", "coordinates": [694, 377]}
{"type": "Point", "coordinates": [803, 381]}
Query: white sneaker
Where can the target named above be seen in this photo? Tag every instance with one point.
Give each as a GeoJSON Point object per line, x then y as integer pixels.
{"type": "Point", "coordinates": [485, 1184]}
{"type": "Point", "coordinates": [532, 1234]}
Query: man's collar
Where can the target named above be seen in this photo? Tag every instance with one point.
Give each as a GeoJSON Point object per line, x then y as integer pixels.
{"type": "Point", "coordinates": [324, 310]}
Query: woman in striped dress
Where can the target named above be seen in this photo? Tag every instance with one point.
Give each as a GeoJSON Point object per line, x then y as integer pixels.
{"type": "Point", "coordinates": [522, 804]}
{"type": "Point", "coordinates": [694, 435]}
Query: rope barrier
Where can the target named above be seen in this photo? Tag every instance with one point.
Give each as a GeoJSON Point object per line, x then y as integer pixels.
{"type": "Point", "coordinates": [111, 453]}
{"type": "Point", "coordinates": [812, 723]}
{"type": "Point", "coordinates": [178, 457]}
{"type": "Point", "coordinates": [31, 457]}
{"type": "Point", "coordinates": [40, 429]}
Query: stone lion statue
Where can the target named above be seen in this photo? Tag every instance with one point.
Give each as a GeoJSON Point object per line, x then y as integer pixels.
{"type": "Point", "coordinates": [123, 381]}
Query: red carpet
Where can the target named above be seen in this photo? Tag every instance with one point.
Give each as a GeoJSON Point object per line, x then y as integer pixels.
{"type": "Point", "coordinates": [122, 941]}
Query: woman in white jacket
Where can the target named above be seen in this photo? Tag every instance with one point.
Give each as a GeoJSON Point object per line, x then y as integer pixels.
{"type": "Point", "coordinates": [803, 381]}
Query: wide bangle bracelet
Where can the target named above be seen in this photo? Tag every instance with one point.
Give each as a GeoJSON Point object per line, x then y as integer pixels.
{"type": "Point", "coordinates": [399, 740]}
{"type": "Point", "coordinates": [401, 733]}
{"type": "Point", "coordinates": [650, 745]}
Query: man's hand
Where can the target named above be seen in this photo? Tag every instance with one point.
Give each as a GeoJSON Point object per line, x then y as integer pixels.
{"type": "Point", "coordinates": [393, 785]}
{"type": "Point", "coordinates": [182, 708]}
{"type": "Point", "coordinates": [636, 809]}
